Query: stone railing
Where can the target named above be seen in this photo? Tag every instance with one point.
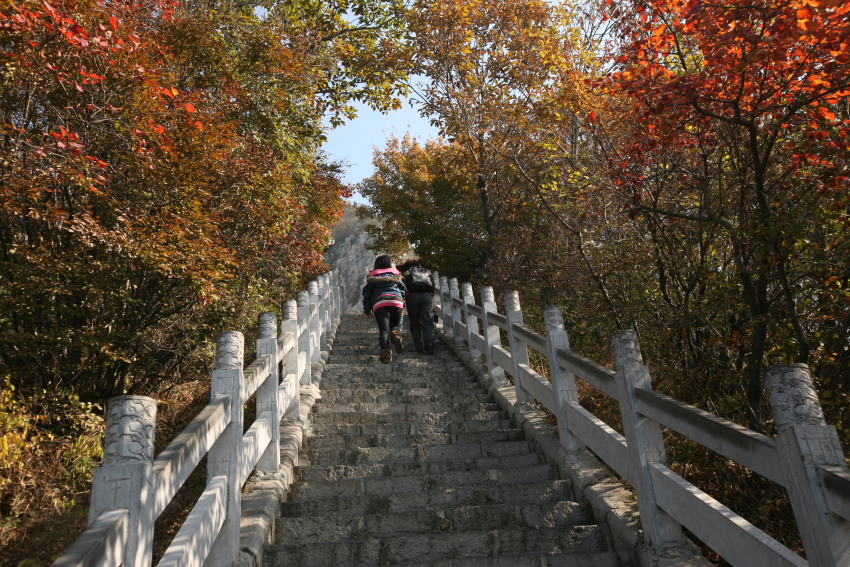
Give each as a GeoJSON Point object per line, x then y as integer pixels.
{"type": "Point", "coordinates": [805, 458]}
{"type": "Point", "coordinates": [131, 488]}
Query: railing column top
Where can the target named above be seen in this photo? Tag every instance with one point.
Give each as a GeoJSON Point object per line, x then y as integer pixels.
{"type": "Point", "coordinates": [130, 425]}
{"type": "Point", "coordinates": [230, 350]}
{"type": "Point", "coordinates": [512, 301]}
{"type": "Point", "coordinates": [303, 297]}
{"type": "Point", "coordinates": [487, 295]}
{"type": "Point", "coordinates": [466, 290]}
{"type": "Point", "coordinates": [313, 287]}
{"type": "Point", "coordinates": [453, 287]}
{"type": "Point", "coordinates": [792, 396]}
{"type": "Point", "coordinates": [553, 318]}
{"type": "Point", "coordinates": [268, 325]}
{"type": "Point", "coordinates": [290, 309]}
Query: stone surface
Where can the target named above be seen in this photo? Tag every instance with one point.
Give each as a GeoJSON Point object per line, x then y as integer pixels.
{"type": "Point", "coordinates": [415, 463]}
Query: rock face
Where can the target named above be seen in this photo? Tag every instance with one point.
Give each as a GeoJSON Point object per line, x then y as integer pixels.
{"type": "Point", "coordinates": [349, 255]}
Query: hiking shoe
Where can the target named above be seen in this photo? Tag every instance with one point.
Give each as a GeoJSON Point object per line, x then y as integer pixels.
{"type": "Point", "coordinates": [386, 355]}
{"type": "Point", "coordinates": [429, 347]}
{"type": "Point", "coordinates": [397, 338]}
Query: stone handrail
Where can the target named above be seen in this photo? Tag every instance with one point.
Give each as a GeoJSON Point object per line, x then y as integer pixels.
{"type": "Point", "coordinates": [131, 488]}
{"type": "Point", "coordinates": [806, 457]}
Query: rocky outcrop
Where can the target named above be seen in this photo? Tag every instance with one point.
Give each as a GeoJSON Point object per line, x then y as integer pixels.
{"type": "Point", "coordinates": [349, 257]}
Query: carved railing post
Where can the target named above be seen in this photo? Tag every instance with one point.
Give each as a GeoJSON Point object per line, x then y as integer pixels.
{"type": "Point", "coordinates": [324, 311]}
{"type": "Point", "coordinates": [645, 443]}
{"type": "Point", "coordinates": [125, 479]}
{"type": "Point", "coordinates": [267, 392]}
{"type": "Point", "coordinates": [445, 305]}
{"type": "Point", "coordinates": [471, 320]}
{"type": "Point", "coordinates": [454, 293]}
{"type": "Point", "coordinates": [225, 456]}
{"type": "Point", "coordinates": [315, 325]}
{"type": "Point", "coordinates": [805, 441]}
{"type": "Point", "coordinates": [292, 362]}
{"type": "Point", "coordinates": [303, 337]}
{"type": "Point", "coordinates": [492, 335]}
{"type": "Point", "coordinates": [564, 382]}
{"type": "Point", "coordinates": [519, 350]}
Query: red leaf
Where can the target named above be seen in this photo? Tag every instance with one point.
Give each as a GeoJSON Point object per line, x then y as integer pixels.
{"type": "Point", "coordinates": [113, 21]}
{"type": "Point", "coordinates": [190, 107]}
{"type": "Point", "coordinates": [592, 117]}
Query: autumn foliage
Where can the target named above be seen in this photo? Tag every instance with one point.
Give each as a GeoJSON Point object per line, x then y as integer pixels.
{"type": "Point", "coordinates": [675, 167]}
{"type": "Point", "coordinates": [160, 181]}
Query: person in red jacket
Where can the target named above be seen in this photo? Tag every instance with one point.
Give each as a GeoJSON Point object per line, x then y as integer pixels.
{"type": "Point", "coordinates": [383, 296]}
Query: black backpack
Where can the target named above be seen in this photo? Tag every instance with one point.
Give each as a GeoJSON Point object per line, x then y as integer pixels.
{"type": "Point", "coordinates": [420, 280]}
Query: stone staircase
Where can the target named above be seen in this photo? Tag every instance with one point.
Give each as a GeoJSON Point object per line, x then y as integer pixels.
{"type": "Point", "coordinates": [410, 463]}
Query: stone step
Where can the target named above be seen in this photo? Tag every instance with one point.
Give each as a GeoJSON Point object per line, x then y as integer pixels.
{"type": "Point", "coordinates": [552, 490]}
{"type": "Point", "coordinates": [413, 455]}
{"type": "Point", "coordinates": [406, 381]}
{"type": "Point", "coordinates": [407, 427]}
{"type": "Point", "coordinates": [438, 546]}
{"type": "Point", "coordinates": [307, 472]}
{"type": "Point", "coordinates": [421, 366]}
{"type": "Point", "coordinates": [403, 408]}
{"type": "Point", "coordinates": [536, 559]}
{"type": "Point", "coordinates": [423, 485]}
{"type": "Point", "coordinates": [339, 526]}
{"type": "Point", "coordinates": [409, 395]}
{"type": "Point", "coordinates": [366, 418]}
{"type": "Point", "coordinates": [407, 440]}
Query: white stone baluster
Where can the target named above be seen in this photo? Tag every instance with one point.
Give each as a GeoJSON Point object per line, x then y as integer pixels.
{"type": "Point", "coordinates": [267, 392]}
{"type": "Point", "coordinates": [315, 330]}
{"type": "Point", "coordinates": [805, 441]}
{"type": "Point", "coordinates": [471, 320]}
{"type": "Point", "coordinates": [225, 456]}
{"type": "Point", "coordinates": [454, 293]}
{"type": "Point", "coordinates": [519, 350]}
{"type": "Point", "coordinates": [564, 382]}
{"type": "Point", "coordinates": [292, 363]}
{"type": "Point", "coordinates": [125, 479]}
{"type": "Point", "coordinates": [305, 350]}
{"type": "Point", "coordinates": [645, 443]}
{"type": "Point", "coordinates": [445, 305]}
{"type": "Point", "coordinates": [492, 335]}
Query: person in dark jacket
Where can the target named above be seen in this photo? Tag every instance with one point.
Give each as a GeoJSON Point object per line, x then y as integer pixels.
{"type": "Point", "coordinates": [420, 304]}
{"type": "Point", "coordinates": [383, 296]}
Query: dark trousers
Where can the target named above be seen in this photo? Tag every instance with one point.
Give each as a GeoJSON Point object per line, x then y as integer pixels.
{"type": "Point", "coordinates": [419, 306]}
{"type": "Point", "coordinates": [388, 319]}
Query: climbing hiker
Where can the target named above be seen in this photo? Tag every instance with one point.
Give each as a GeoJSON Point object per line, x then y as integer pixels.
{"type": "Point", "coordinates": [420, 304]}
{"type": "Point", "coordinates": [383, 297]}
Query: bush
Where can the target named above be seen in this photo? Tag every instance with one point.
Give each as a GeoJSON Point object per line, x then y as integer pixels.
{"type": "Point", "coordinates": [49, 445]}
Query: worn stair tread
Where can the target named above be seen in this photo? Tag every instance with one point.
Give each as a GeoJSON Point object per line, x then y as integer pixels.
{"type": "Point", "coordinates": [406, 440]}
{"type": "Point", "coordinates": [407, 427]}
{"type": "Point", "coordinates": [333, 473]}
{"type": "Point", "coordinates": [440, 545]}
{"type": "Point", "coordinates": [436, 453]}
{"type": "Point", "coordinates": [396, 501]}
{"type": "Point", "coordinates": [444, 481]}
{"type": "Point", "coordinates": [408, 395]}
{"type": "Point", "coordinates": [417, 408]}
{"type": "Point", "coordinates": [535, 559]}
{"type": "Point", "coordinates": [342, 525]}
{"type": "Point", "coordinates": [351, 417]}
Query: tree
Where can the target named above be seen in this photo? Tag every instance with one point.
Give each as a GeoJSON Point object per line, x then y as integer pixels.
{"type": "Point", "coordinates": [753, 94]}
{"type": "Point", "coordinates": [422, 198]}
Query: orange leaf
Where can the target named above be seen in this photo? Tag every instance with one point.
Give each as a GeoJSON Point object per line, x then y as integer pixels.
{"type": "Point", "coordinates": [190, 107]}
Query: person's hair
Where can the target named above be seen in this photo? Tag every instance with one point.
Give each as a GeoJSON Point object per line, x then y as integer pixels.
{"type": "Point", "coordinates": [383, 262]}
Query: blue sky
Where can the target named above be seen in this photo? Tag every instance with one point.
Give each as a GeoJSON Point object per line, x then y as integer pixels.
{"type": "Point", "coordinates": [354, 142]}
